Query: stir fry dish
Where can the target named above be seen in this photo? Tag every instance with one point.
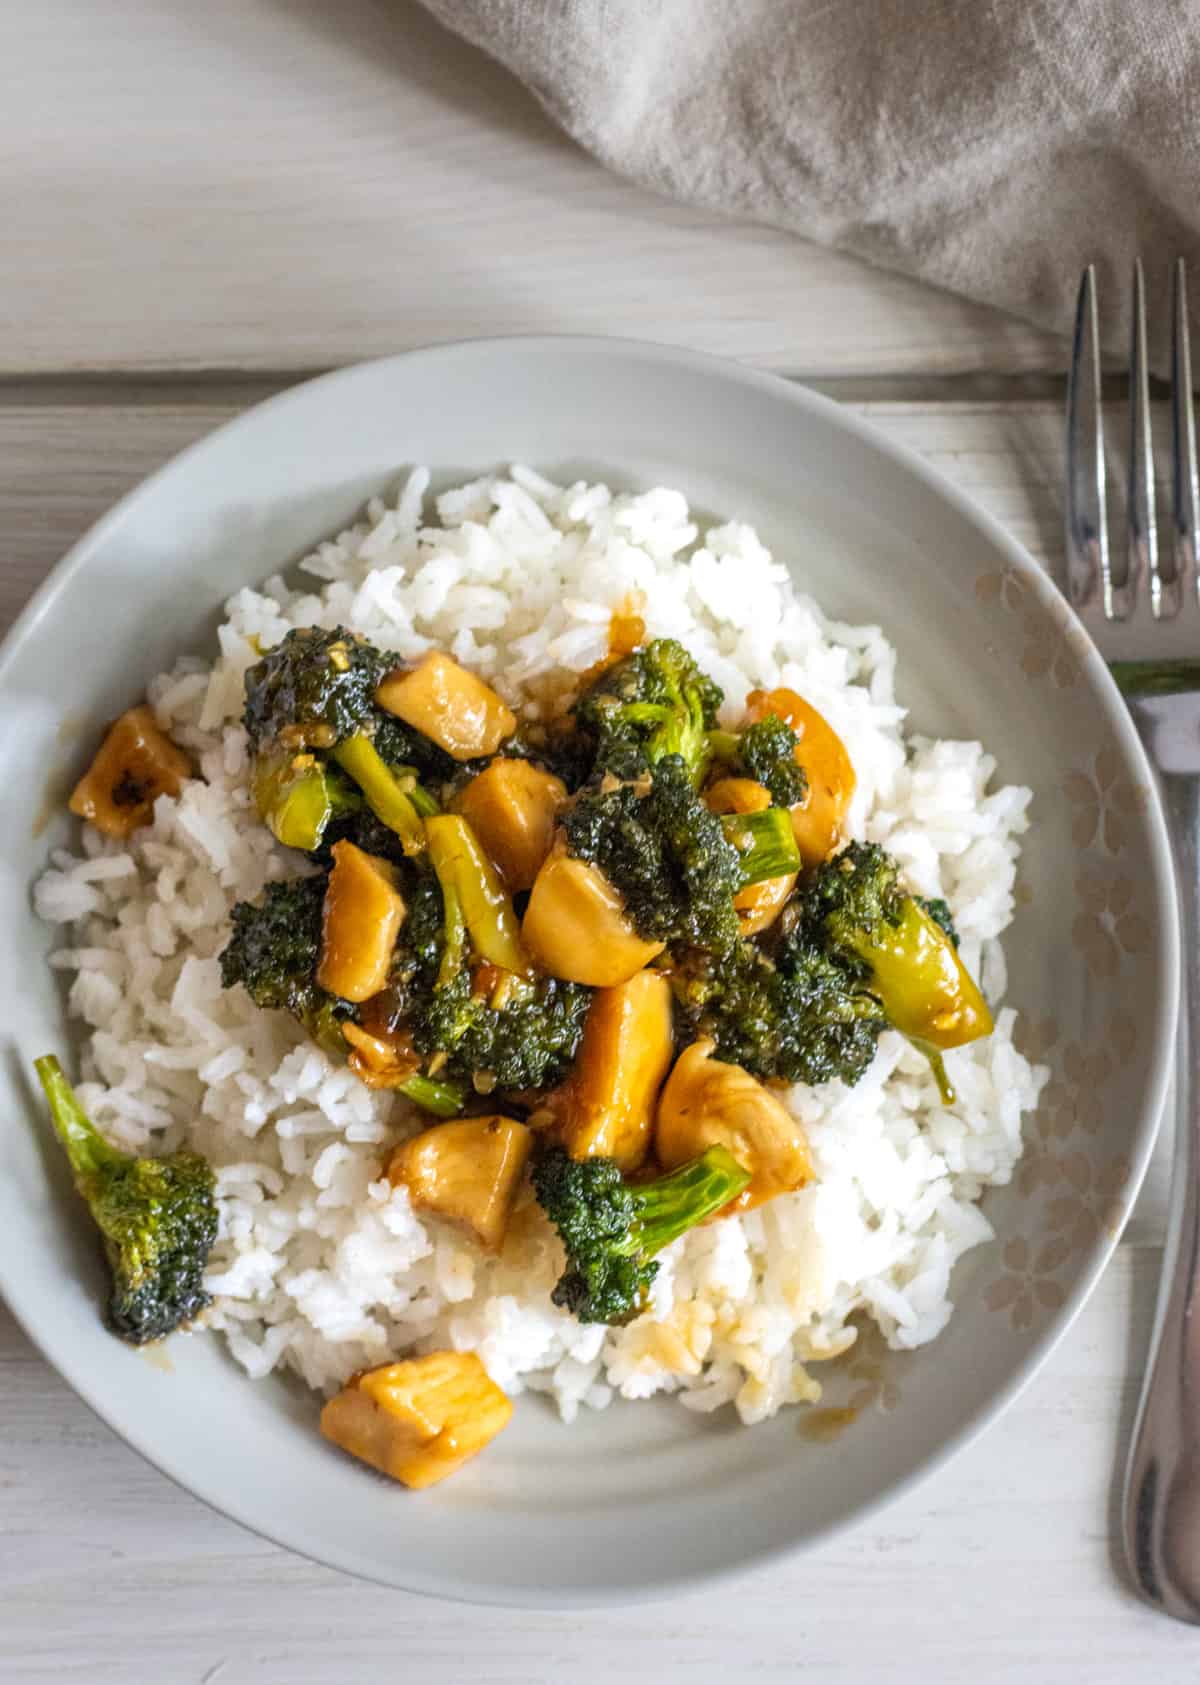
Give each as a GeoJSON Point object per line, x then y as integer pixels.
{"type": "Point", "coordinates": [589, 953]}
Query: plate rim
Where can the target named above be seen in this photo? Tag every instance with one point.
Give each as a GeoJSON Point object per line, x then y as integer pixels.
{"type": "Point", "coordinates": [1160, 867]}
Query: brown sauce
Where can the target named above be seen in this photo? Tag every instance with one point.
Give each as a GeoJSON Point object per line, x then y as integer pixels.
{"type": "Point", "coordinates": [825, 1425]}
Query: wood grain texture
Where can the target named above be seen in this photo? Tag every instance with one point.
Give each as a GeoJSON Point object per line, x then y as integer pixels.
{"type": "Point", "coordinates": [999, 1567]}
{"type": "Point", "coordinates": [283, 184]}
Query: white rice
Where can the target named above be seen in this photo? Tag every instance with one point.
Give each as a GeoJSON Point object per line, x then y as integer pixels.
{"type": "Point", "coordinates": [320, 1266]}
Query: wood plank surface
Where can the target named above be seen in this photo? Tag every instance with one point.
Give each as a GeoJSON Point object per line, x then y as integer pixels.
{"type": "Point", "coordinates": [291, 184]}
{"type": "Point", "coordinates": [998, 1568]}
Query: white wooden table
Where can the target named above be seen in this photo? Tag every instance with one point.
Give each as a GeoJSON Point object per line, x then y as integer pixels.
{"type": "Point", "coordinates": [198, 205]}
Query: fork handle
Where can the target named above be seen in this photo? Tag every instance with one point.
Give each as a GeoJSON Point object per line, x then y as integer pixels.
{"type": "Point", "coordinates": [1162, 1484]}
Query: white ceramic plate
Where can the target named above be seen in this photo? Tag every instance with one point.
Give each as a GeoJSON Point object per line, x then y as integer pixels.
{"type": "Point", "coordinates": [645, 1498]}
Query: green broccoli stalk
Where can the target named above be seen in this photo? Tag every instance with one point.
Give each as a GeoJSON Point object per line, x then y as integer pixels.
{"type": "Point", "coordinates": [612, 1229]}
{"type": "Point", "coordinates": [273, 953]}
{"type": "Point", "coordinates": [765, 842]}
{"type": "Point", "coordinates": [298, 797]}
{"type": "Point", "coordinates": [766, 752]}
{"type": "Point", "coordinates": [656, 702]}
{"type": "Point", "coordinates": [398, 801]}
{"type": "Point", "coordinates": [157, 1218]}
{"type": "Point", "coordinates": [437, 1097]}
{"type": "Point", "coordinates": [471, 886]}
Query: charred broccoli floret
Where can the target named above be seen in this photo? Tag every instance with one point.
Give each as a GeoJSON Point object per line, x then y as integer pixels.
{"type": "Point", "coordinates": [612, 1229]}
{"type": "Point", "coordinates": [157, 1218]}
{"type": "Point", "coordinates": [800, 1014]}
{"type": "Point", "coordinates": [669, 857]}
{"type": "Point", "coordinates": [766, 752]}
{"type": "Point", "coordinates": [653, 703]}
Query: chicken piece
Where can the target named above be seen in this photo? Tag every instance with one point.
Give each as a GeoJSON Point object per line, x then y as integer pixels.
{"type": "Point", "coordinates": [380, 1061]}
{"type": "Point", "coordinates": [362, 916]}
{"type": "Point", "coordinates": [759, 904]}
{"type": "Point", "coordinates": [817, 820]}
{"type": "Point", "coordinates": [419, 1420]}
{"type": "Point", "coordinates": [707, 1103]}
{"type": "Point", "coordinates": [467, 1172]}
{"type": "Point", "coordinates": [135, 764]}
{"type": "Point", "coordinates": [449, 705]}
{"type": "Point", "coordinates": [607, 1104]}
{"type": "Point", "coordinates": [512, 806]}
{"type": "Point", "coordinates": [576, 927]}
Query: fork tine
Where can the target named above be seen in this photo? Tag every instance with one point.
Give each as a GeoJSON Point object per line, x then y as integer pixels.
{"type": "Point", "coordinates": [1142, 551]}
{"type": "Point", "coordinates": [1184, 493]}
{"type": "Point", "coordinates": [1086, 513]}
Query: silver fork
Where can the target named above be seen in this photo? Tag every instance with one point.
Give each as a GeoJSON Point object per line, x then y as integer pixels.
{"type": "Point", "coordinates": [1160, 676]}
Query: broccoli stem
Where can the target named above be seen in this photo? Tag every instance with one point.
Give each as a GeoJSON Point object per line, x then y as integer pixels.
{"type": "Point", "coordinates": [388, 800]}
{"type": "Point", "coordinates": [409, 779]}
{"type": "Point", "coordinates": [765, 842]}
{"type": "Point", "coordinates": [87, 1150]}
{"type": "Point", "coordinates": [443, 1099]}
{"type": "Point", "coordinates": [723, 745]}
{"type": "Point", "coordinates": [466, 874]}
{"type": "Point", "coordinates": [672, 1204]}
{"type": "Point", "coordinates": [298, 805]}
{"type": "Point", "coordinates": [455, 934]}
{"type": "Point", "coordinates": [669, 1205]}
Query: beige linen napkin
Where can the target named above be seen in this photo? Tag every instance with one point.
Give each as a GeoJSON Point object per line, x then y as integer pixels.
{"type": "Point", "coordinates": [990, 146]}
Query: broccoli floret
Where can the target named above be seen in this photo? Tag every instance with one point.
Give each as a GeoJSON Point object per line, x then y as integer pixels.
{"type": "Point", "coordinates": [310, 699]}
{"type": "Point", "coordinates": [766, 752]}
{"type": "Point", "coordinates": [653, 703]}
{"type": "Point", "coordinates": [157, 1218]}
{"type": "Point", "coordinates": [855, 909]}
{"type": "Point", "coordinates": [665, 852]}
{"type": "Point", "coordinates": [402, 745]}
{"type": "Point", "coordinates": [612, 1229]}
{"type": "Point", "coordinates": [520, 1032]}
{"type": "Point", "coordinates": [274, 952]}
{"type": "Point", "coordinates": [313, 689]}
{"type": "Point", "coordinates": [853, 897]}
{"type": "Point", "coordinates": [799, 1014]}
{"type": "Point", "coordinates": [527, 1040]}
